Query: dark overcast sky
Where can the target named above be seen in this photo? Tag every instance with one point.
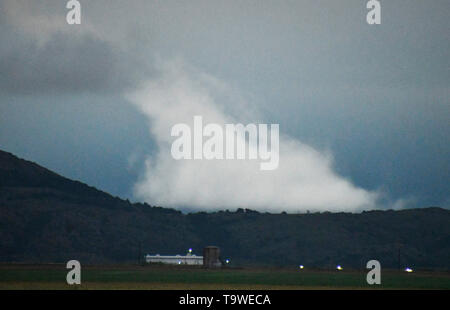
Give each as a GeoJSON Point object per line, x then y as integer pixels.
{"type": "Point", "coordinates": [375, 97]}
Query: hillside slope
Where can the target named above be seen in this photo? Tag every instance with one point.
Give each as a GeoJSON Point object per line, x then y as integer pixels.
{"type": "Point", "coordinates": [45, 217]}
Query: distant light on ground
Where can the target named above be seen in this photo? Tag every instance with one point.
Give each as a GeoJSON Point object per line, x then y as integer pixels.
{"type": "Point", "coordinates": [301, 266]}
{"type": "Point", "coordinates": [338, 267]}
{"type": "Point", "coordinates": [408, 269]}
{"type": "Point", "coordinates": [227, 261]}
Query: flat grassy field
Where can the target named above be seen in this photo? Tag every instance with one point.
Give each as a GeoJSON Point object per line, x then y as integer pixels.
{"type": "Point", "coordinates": [122, 277]}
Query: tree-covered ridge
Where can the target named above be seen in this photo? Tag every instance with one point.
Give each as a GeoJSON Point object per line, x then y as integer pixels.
{"type": "Point", "coordinates": [45, 217]}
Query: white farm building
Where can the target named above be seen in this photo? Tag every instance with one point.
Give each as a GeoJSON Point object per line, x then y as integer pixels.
{"type": "Point", "coordinates": [188, 259]}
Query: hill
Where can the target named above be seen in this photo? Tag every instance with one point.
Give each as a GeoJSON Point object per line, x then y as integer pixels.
{"type": "Point", "coordinates": [45, 217]}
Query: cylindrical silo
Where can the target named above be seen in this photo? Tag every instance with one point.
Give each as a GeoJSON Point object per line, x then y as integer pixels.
{"type": "Point", "coordinates": [211, 256]}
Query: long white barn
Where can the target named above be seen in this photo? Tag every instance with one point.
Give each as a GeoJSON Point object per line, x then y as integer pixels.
{"type": "Point", "coordinates": [190, 259]}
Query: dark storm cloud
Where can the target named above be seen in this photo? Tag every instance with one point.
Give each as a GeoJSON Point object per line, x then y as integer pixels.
{"type": "Point", "coordinates": [62, 64]}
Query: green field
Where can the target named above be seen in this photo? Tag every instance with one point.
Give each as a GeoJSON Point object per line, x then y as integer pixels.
{"type": "Point", "coordinates": [175, 277]}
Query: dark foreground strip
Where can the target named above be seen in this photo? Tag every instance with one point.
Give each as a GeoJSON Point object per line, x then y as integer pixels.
{"type": "Point", "coordinates": [381, 299]}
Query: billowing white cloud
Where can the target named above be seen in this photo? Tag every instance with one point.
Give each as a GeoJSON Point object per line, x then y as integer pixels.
{"type": "Point", "coordinates": [304, 180]}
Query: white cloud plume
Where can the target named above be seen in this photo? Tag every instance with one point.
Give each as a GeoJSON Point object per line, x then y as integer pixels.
{"type": "Point", "coordinates": [304, 180]}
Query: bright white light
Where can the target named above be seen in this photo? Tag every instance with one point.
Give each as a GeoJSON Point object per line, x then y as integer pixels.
{"type": "Point", "coordinates": [408, 269]}
{"type": "Point", "coordinates": [179, 262]}
{"type": "Point", "coordinates": [190, 250]}
{"type": "Point", "coordinates": [338, 267]}
{"type": "Point", "coordinates": [301, 266]}
{"type": "Point", "coordinates": [227, 261]}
